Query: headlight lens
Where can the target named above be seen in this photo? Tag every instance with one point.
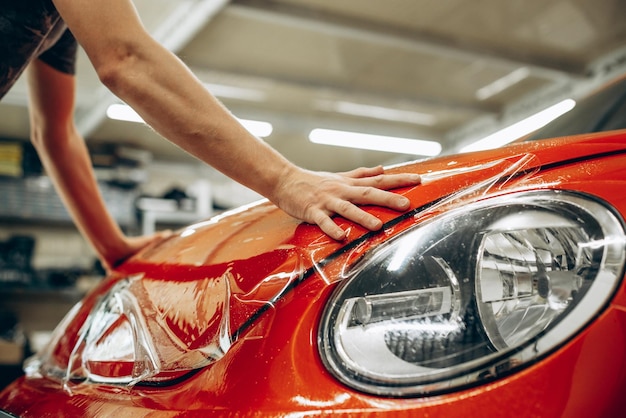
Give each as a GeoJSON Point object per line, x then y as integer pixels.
{"type": "Point", "coordinates": [141, 330]}
{"type": "Point", "coordinates": [473, 294]}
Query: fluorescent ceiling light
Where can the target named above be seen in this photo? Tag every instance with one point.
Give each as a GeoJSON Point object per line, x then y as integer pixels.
{"type": "Point", "coordinates": [239, 93]}
{"type": "Point", "coordinates": [502, 83]}
{"type": "Point", "coordinates": [375, 142]}
{"type": "Point", "coordinates": [257, 127]}
{"type": "Point", "coordinates": [126, 113]}
{"type": "Point", "coordinates": [379, 112]}
{"type": "Point", "coordinates": [521, 128]}
{"type": "Point", "coordinates": [123, 112]}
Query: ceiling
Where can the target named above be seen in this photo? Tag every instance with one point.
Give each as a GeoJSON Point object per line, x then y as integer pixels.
{"type": "Point", "coordinates": [451, 71]}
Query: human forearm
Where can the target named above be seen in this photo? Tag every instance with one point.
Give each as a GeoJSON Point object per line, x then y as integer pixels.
{"type": "Point", "coordinates": [65, 163]}
{"type": "Point", "coordinates": [176, 105]}
{"type": "Point", "coordinates": [66, 160]}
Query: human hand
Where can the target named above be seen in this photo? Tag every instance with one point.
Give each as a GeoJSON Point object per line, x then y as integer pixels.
{"type": "Point", "coordinates": [128, 247]}
{"type": "Point", "coordinates": [315, 196]}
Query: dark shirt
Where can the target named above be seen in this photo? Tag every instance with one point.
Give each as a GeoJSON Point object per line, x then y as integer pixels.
{"type": "Point", "coordinates": [31, 29]}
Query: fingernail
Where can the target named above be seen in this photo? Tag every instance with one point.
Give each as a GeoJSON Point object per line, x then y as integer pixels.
{"type": "Point", "coordinates": [376, 224]}
{"type": "Point", "coordinates": [340, 236]}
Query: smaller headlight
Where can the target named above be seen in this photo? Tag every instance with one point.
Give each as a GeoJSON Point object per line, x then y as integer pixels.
{"type": "Point", "coordinates": [143, 330]}
{"type": "Point", "coordinates": [475, 292]}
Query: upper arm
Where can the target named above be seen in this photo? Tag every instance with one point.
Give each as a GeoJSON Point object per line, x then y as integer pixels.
{"type": "Point", "coordinates": [108, 30]}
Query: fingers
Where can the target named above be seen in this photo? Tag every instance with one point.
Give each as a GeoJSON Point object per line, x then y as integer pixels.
{"type": "Point", "coordinates": [388, 181]}
{"type": "Point", "coordinates": [330, 228]}
{"type": "Point", "coordinates": [166, 233]}
{"type": "Point", "coordinates": [376, 177]}
{"type": "Point", "coordinates": [369, 185]}
{"type": "Point", "coordinates": [364, 172]}
{"type": "Point", "coordinates": [132, 245]}
{"type": "Point", "coordinates": [319, 196]}
{"type": "Point", "coordinates": [378, 197]}
{"type": "Point", "coordinates": [361, 217]}
{"type": "Point", "coordinates": [348, 211]}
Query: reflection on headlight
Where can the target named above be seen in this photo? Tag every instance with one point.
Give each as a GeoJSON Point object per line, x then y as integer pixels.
{"type": "Point", "coordinates": [485, 288]}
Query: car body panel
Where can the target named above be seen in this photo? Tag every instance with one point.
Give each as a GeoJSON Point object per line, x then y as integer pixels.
{"type": "Point", "coordinates": [280, 272]}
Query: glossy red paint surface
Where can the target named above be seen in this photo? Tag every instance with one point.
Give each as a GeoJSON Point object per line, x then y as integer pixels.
{"type": "Point", "coordinates": [286, 271]}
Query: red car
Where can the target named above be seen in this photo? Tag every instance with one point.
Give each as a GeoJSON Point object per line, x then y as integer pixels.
{"type": "Point", "coordinates": [500, 293]}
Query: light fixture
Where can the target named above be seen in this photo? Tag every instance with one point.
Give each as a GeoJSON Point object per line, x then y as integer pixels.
{"type": "Point", "coordinates": [126, 113]}
{"type": "Point", "coordinates": [521, 128]}
{"type": "Point", "coordinates": [374, 142]}
{"type": "Point", "coordinates": [123, 112]}
{"type": "Point", "coordinates": [377, 112]}
{"type": "Point", "coordinates": [502, 83]}
{"type": "Point", "coordinates": [233, 92]}
{"type": "Point", "coordinates": [258, 128]}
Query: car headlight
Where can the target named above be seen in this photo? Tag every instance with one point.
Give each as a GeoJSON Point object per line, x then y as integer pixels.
{"type": "Point", "coordinates": [141, 330]}
{"type": "Point", "coordinates": [161, 324]}
{"type": "Point", "coordinates": [473, 294]}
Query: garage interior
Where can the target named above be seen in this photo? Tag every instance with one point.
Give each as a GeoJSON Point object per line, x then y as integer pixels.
{"type": "Point", "coordinates": [447, 72]}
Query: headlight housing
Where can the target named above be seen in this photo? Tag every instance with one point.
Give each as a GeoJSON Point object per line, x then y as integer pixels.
{"type": "Point", "coordinates": [140, 330]}
{"type": "Point", "coordinates": [473, 294]}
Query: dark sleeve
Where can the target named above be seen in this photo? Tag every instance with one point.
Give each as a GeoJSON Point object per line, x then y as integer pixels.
{"type": "Point", "coordinates": [62, 55]}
